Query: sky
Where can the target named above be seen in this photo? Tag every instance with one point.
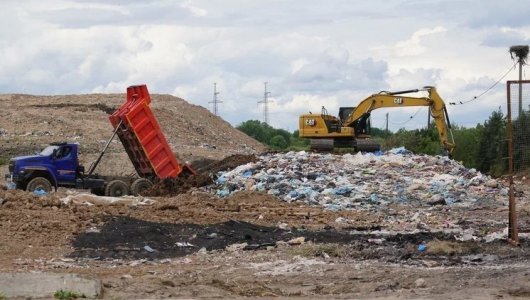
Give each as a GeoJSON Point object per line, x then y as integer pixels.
{"type": "Point", "coordinates": [311, 53]}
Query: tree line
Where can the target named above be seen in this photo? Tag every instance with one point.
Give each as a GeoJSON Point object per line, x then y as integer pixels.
{"type": "Point", "coordinates": [483, 147]}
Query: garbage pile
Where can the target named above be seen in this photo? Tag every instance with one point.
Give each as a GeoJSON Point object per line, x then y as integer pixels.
{"type": "Point", "coordinates": [358, 181]}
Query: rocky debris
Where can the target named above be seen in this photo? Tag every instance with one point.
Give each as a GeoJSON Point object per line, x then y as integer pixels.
{"type": "Point", "coordinates": [420, 283]}
{"type": "Point", "coordinates": [360, 181]}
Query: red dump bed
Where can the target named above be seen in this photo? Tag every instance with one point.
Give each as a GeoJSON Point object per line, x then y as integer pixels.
{"type": "Point", "coordinates": [142, 138]}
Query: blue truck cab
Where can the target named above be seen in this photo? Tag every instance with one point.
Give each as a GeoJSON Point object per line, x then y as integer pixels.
{"type": "Point", "coordinates": [56, 165]}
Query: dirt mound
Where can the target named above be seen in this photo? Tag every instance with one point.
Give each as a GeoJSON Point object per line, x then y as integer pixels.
{"type": "Point", "coordinates": [29, 123]}
{"type": "Point", "coordinates": [229, 162]}
{"type": "Point", "coordinates": [206, 170]}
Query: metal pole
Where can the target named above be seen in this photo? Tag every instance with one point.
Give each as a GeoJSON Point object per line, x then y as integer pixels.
{"type": "Point", "coordinates": [513, 236]}
{"type": "Point", "coordinates": [386, 127]}
{"type": "Point", "coordinates": [520, 86]}
{"type": "Point", "coordinates": [104, 149]}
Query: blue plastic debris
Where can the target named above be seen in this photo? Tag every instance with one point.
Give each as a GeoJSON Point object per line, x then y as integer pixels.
{"type": "Point", "coordinates": [149, 249]}
{"type": "Point", "coordinates": [373, 198]}
{"type": "Point", "coordinates": [11, 186]}
{"type": "Point", "coordinates": [400, 150]}
{"type": "Point", "coordinates": [247, 173]}
{"type": "Point", "coordinates": [342, 190]}
{"type": "Point", "coordinates": [223, 193]}
{"type": "Point", "coordinates": [40, 192]}
{"type": "Point", "coordinates": [222, 179]}
{"type": "Point", "coordinates": [422, 247]}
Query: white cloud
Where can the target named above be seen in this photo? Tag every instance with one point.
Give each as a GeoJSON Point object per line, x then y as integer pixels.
{"type": "Point", "coordinates": [415, 45]}
{"type": "Point", "coordinates": [333, 54]}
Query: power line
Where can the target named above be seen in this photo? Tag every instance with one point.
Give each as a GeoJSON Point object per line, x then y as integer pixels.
{"type": "Point", "coordinates": [265, 103]}
{"type": "Point", "coordinates": [215, 101]}
{"type": "Point", "coordinates": [410, 118]}
{"type": "Point", "coordinates": [488, 89]}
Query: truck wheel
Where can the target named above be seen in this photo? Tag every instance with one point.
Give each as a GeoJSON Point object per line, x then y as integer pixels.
{"type": "Point", "coordinates": [39, 183]}
{"type": "Point", "coordinates": [117, 188]}
{"type": "Point", "coordinates": [140, 185]}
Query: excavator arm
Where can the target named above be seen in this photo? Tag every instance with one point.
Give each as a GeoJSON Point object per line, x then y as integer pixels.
{"type": "Point", "coordinates": [385, 99]}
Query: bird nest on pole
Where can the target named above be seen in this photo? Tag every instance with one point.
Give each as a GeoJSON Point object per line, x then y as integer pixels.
{"type": "Point", "coordinates": [520, 51]}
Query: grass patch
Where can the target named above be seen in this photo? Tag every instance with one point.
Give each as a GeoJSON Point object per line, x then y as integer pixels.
{"type": "Point", "coordinates": [67, 295]}
{"type": "Point", "coordinates": [4, 160]}
{"type": "Point", "coordinates": [314, 250]}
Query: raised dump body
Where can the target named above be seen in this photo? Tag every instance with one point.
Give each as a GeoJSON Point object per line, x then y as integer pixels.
{"type": "Point", "coordinates": [143, 139]}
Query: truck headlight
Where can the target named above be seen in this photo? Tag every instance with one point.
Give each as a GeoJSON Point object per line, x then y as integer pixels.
{"type": "Point", "coordinates": [22, 171]}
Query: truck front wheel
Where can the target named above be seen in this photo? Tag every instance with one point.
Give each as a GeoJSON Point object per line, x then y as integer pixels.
{"type": "Point", "coordinates": [39, 183]}
{"type": "Point", "coordinates": [117, 188]}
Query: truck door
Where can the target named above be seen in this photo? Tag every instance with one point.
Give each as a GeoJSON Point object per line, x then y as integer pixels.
{"type": "Point", "coordinates": [65, 162]}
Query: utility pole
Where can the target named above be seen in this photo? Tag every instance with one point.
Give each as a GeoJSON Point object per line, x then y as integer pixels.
{"type": "Point", "coordinates": [521, 52]}
{"type": "Point", "coordinates": [386, 126]}
{"type": "Point", "coordinates": [215, 101]}
{"type": "Point", "coordinates": [265, 103]}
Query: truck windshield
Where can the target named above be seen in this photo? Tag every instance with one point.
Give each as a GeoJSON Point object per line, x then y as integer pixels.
{"type": "Point", "coordinates": [48, 150]}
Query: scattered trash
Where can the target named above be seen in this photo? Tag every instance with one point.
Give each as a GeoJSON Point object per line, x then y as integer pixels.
{"type": "Point", "coordinates": [296, 241]}
{"type": "Point", "coordinates": [11, 186]}
{"type": "Point", "coordinates": [420, 283]}
{"type": "Point", "coordinates": [149, 249]}
{"type": "Point", "coordinates": [422, 247]}
{"type": "Point", "coordinates": [376, 241]}
{"type": "Point", "coordinates": [40, 192]}
{"type": "Point", "coordinates": [184, 244]}
{"type": "Point", "coordinates": [236, 247]}
{"type": "Point", "coordinates": [360, 181]}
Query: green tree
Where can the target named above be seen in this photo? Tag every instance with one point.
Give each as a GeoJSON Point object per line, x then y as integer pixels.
{"type": "Point", "coordinates": [492, 145]}
{"type": "Point", "coordinates": [265, 133]}
{"type": "Point", "coordinates": [467, 145]}
{"type": "Point", "coordinates": [278, 142]}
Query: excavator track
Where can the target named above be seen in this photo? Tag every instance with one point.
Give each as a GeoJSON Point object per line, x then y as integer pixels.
{"type": "Point", "coordinates": [321, 145]}
{"type": "Point", "coordinates": [327, 145]}
{"type": "Point", "coordinates": [367, 145]}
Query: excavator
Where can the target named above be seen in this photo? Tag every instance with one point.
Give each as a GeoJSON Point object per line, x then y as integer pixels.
{"type": "Point", "coordinates": [351, 129]}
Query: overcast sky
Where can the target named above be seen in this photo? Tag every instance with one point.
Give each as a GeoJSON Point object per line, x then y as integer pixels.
{"type": "Point", "coordinates": [312, 53]}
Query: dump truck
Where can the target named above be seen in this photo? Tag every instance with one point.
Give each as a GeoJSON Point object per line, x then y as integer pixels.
{"type": "Point", "coordinates": [351, 129]}
{"type": "Point", "coordinates": [139, 132]}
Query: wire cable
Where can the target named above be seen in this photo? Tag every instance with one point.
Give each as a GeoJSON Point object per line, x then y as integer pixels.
{"type": "Point", "coordinates": [410, 118]}
{"type": "Point", "coordinates": [488, 89]}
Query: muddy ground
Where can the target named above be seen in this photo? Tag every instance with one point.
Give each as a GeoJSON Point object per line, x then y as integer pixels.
{"type": "Point", "coordinates": [249, 245]}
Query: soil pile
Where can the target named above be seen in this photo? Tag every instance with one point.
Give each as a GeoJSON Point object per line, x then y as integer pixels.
{"type": "Point", "coordinates": [206, 171]}
{"type": "Point", "coordinates": [29, 123]}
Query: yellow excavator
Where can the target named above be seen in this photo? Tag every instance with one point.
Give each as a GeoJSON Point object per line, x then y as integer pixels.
{"type": "Point", "coordinates": [351, 129]}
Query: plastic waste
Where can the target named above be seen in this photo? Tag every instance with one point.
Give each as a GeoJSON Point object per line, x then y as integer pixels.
{"type": "Point", "coordinates": [360, 181]}
{"type": "Point", "coordinates": [40, 192]}
{"type": "Point", "coordinates": [422, 247]}
{"type": "Point", "coordinates": [11, 186]}
{"type": "Point", "coordinates": [400, 150]}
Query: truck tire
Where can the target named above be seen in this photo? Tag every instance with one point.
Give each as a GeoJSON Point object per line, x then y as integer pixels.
{"type": "Point", "coordinates": [39, 183]}
{"type": "Point", "coordinates": [140, 185]}
{"type": "Point", "coordinates": [117, 188]}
